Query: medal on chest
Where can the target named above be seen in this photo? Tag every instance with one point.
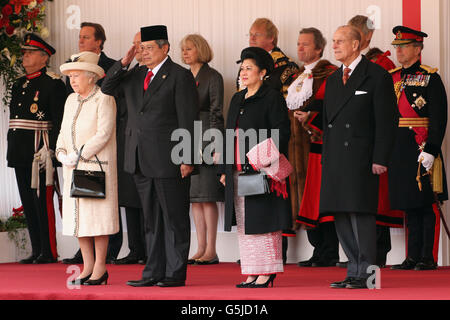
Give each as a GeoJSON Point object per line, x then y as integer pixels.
{"type": "Point", "coordinates": [34, 107]}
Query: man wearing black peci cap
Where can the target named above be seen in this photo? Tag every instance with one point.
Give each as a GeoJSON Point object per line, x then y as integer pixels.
{"type": "Point", "coordinates": [36, 110]}
{"type": "Point", "coordinates": [422, 107]}
{"type": "Point", "coordinates": [161, 97]}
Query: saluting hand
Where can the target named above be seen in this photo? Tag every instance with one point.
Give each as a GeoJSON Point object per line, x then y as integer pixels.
{"type": "Point", "coordinates": [129, 57]}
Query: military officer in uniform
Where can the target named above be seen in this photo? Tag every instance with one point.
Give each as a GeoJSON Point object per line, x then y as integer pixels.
{"type": "Point", "coordinates": [36, 110]}
{"type": "Point", "coordinates": [422, 107]}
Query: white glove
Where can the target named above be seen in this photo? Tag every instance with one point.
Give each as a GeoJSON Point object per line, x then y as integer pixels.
{"type": "Point", "coordinates": [71, 159]}
{"type": "Point", "coordinates": [68, 160]}
{"type": "Point", "coordinates": [427, 160]}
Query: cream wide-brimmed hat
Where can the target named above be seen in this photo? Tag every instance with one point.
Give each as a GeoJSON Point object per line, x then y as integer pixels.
{"type": "Point", "coordinates": [86, 60]}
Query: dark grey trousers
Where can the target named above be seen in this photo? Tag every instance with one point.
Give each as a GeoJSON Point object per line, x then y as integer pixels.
{"type": "Point", "coordinates": [165, 204]}
{"type": "Point", "coordinates": [357, 234]}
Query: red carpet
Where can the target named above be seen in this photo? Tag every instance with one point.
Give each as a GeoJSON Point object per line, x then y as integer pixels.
{"type": "Point", "coordinates": [217, 282]}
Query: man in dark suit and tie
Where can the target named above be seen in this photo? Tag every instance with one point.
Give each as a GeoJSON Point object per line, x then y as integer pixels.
{"type": "Point", "coordinates": [161, 97]}
{"type": "Point", "coordinates": [359, 128]}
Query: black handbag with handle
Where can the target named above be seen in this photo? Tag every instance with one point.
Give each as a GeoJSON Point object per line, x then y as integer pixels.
{"type": "Point", "coordinates": [86, 183]}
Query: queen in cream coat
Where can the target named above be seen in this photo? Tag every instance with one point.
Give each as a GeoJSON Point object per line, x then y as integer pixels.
{"type": "Point", "coordinates": [90, 121]}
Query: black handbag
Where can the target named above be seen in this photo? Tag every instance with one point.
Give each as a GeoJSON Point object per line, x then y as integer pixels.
{"type": "Point", "coordinates": [86, 183]}
{"type": "Point", "coordinates": [250, 184]}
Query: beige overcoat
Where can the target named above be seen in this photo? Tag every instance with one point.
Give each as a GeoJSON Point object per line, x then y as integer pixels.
{"type": "Point", "coordinates": [90, 122]}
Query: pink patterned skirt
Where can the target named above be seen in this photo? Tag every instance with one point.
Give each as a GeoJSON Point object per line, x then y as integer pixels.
{"type": "Point", "coordinates": [260, 253]}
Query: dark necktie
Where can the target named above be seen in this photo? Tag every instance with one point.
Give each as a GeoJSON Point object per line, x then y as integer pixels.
{"type": "Point", "coordinates": [346, 75]}
{"type": "Point", "coordinates": [148, 77]}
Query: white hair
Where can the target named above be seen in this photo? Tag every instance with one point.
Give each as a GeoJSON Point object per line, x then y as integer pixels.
{"type": "Point", "coordinates": [92, 75]}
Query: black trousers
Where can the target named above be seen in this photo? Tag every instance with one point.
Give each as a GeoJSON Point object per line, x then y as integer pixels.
{"type": "Point", "coordinates": [35, 210]}
{"type": "Point", "coordinates": [115, 241]}
{"type": "Point", "coordinates": [165, 204]}
{"type": "Point", "coordinates": [421, 223]}
{"type": "Point", "coordinates": [136, 235]}
{"type": "Point", "coordinates": [357, 234]}
{"type": "Point", "coordinates": [383, 243]}
{"type": "Point", "coordinates": [325, 242]}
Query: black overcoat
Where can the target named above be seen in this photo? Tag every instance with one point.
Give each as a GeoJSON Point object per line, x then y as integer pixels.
{"type": "Point", "coordinates": [169, 103]}
{"type": "Point", "coordinates": [264, 110]}
{"type": "Point", "coordinates": [359, 129]}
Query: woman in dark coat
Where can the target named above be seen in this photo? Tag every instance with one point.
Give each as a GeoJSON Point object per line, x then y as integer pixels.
{"type": "Point", "coordinates": [259, 218]}
{"type": "Point", "coordinates": [206, 189]}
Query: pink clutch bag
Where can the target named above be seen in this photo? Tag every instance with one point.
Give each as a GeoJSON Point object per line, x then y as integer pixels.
{"type": "Point", "coordinates": [266, 157]}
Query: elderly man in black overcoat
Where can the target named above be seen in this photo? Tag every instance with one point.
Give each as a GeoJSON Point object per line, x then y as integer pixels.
{"type": "Point", "coordinates": [359, 127]}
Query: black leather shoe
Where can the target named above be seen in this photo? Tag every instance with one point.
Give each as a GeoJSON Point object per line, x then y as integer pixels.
{"type": "Point", "coordinates": [43, 260]}
{"type": "Point", "coordinates": [357, 284]}
{"type": "Point", "coordinates": [102, 280]}
{"type": "Point", "coordinates": [144, 282]}
{"type": "Point", "coordinates": [408, 264]}
{"type": "Point", "coordinates": [206, 262]}
{"type": "Point", "coordinates": [76, 259]}
{"type": "Point", "coordinates": [79, 281]}
{"type": "Point", "coordinates": [28, 260]}
{"type": "Point", "coordinates": [324, 263]}
{"type": "Point", "coordinates": [143, 261]}
{"type": "Point", "coordinates": [126, 260]}
{"type": "Point", "coordinates": [306, 263]}
{"type": "Point", "coordinates": [166, 283]}
{"type": "Point", "coordinates": [341, 284]}
{"type": "Point", "coordinates": [342, 264]}
{"type": "Point", "coordinates": [426, 265]}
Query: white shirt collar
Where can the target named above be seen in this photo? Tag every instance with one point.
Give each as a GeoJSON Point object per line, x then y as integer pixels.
{"type": "Point", "coordinates": [156, 69]}
{"type": "Point", "coordinates": [311, 65]}
{"type": "Point", "coordinates": [353, 65]}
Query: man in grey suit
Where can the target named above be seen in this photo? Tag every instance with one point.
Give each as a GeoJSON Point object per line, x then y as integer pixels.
{"type": "Point", "coordinates": [359, 128]}
{"type": "Point", "coordinates": [161, 97]}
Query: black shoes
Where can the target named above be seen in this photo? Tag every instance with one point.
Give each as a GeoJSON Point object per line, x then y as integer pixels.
{"type": "Point", "coordinates": [215, 260]}
{"type": "Point", "coordinates": [167, 283]}
{"type": "Point", "coordinates": [408, 264]}
{"type": "Point", "coordinates": [266, 284]}
{"type": "Point", "coordinates": [253, 283]}
{"type": "Point", "coordinates": [80, 281]}
{"type": "Point", "coordinates": [28, 260]}
{"type": "Point", "coordinates": [350, 283]}
{"type": "Point", "coordinates": [426, 265]}
{"type": "Point", "coordinates": [144, 282]}
{"type": "Point", "coordinates": [44, 260]}
{"type": "Point", "coordinates": [357, 284]}
{"type": "Point", "coordinates": [317, 263]}
{"type": "Point", "coordinates": [102, 280]}
{"type": "Point", "coordinates": [127, 260]}
{"type": "Point", "coordinates": [37, 260]}
{"type": "Point", "coordinates": [341, 284]}
{"type": "Point", "coordinates": [76, 259]}
{"type": "Point", "coordinates": [246, 284]}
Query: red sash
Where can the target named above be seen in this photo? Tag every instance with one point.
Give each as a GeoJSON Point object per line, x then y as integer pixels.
{"type": "Point", "coordinates": [407, 111]}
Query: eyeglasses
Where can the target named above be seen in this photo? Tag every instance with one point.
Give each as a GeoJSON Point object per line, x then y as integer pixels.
{"type": "Point", "coordinates": [255, 35]}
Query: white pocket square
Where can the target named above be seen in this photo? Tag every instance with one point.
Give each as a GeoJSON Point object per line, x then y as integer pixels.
{"type": "Point", "coordinates": [357, 93]}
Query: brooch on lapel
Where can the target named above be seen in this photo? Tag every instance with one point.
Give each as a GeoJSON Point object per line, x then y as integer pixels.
{"type": "Point", "coordinates": [164, 76]}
